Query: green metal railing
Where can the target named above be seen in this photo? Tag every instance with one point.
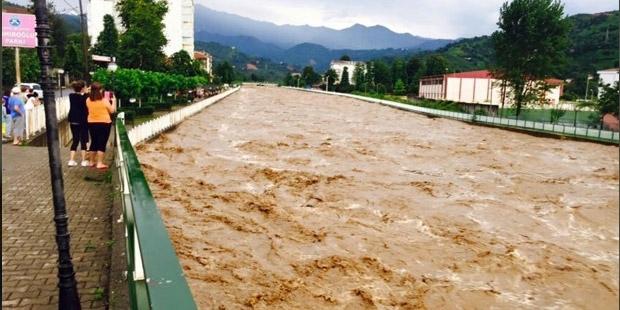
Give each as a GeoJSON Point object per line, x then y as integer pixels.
{"type": "Point", "coordinates": [154, 274]}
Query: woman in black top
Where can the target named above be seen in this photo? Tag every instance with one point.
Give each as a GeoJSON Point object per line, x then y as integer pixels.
{"type": "Point", "coordinates": [78, 121]}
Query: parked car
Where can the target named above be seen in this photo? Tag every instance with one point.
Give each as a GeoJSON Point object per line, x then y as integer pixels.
{"type": "Point", "coordinates": [34, 86]}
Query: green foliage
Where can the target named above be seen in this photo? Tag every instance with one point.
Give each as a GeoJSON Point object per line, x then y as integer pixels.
{"type": "Point", "coordinates": [29, 61]}
{"type": "Point", "coordinates": [345, 58]}
{"type": "Point", "coordinates": [181, 63]}
{"type": "Point", "coordinates": [309, 77]}
{"type": "Point", "coordinates": [359, 77]}
{"type": "Point", "coordinates": [383, 75]}
{"type": "Point", "coordinates": [224, 73]}
{"type": "Point", "coordinates": [107, 41]}
{"type": "Point", "coordinates": [134, 83]}
{"type": "Point", "coordinates": [414, 70]}
{"type": "Point", "coordinates": [530, 45]}
{"type": "Point", "coordinates": [74, 57]}
{"type": "Point", "coordinates": [331, 76]}
{"type": "Point", "coordinates": [481, 112]}
{"type": "Point", "coordinates": [345, 85]}
{"type": "Point", "coordinates": [555, 115]}
{"type": "Point", "coordinates": [609, 100]}
{"type": "Point", "coordinates": [145, 110]}
{"type": "Point", "coordinates": [436, 64]}
{"type": "Point", "coordinates": [399, 87]}
{"type": "Point", "coordinates": [143, 40]}
{"type": "Point", "coordinates": [266, 69]}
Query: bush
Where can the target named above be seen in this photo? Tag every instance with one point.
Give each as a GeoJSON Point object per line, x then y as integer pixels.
{"type": "Point", "coordinates": [163, 106]}
{"type": "Point", "coordinates": [130, 116]}
{"type": "Point", "coordinates": [481, 112]}
{"type": "Point", "coordinates": [130, 113]}
{"type": "Point", "coordinates": [145, 110]}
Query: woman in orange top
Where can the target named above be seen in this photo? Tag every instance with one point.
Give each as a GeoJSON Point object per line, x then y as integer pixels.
{"type": "Point", "coordinates": [99, 122]}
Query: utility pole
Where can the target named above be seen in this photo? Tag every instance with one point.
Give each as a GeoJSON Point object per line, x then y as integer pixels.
{"type": "Point", "coordinates": [84, 43]}
{"type": "Point", "coordinates": [67, 286]}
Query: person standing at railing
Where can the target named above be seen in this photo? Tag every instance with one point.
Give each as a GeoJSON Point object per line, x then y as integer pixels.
{"type": "Point", "coordinates": [78, 122]}
{"type": "Point", "coordinates": [29, 107]}
{"type": "Point", "coordinates": [100, 110]}
{"type": "Point", "coordinates": [16, 105]}
{"type": "Point", "coordinates": [6, 114]}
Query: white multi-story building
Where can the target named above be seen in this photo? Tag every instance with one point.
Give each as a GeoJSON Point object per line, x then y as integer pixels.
{"type": "Point", "coordinates": [339, 65]}
{"type": "Point", "coordinates": [608, 77]}
{"type": "Point", "coordinates": [178, 22]}
{"type": "Point", "coordinates": [477, 87]}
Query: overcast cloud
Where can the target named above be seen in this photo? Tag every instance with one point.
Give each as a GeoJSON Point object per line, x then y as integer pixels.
{"type": "Point", "coordinates": [448, 19]}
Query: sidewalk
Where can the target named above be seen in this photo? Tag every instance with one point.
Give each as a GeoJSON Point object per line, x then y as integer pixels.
{"type": "Point", "coordinates": [29, 251]}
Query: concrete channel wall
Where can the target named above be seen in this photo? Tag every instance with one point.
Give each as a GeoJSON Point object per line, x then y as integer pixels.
{"type": "Point", "coordinates": [597, 135]}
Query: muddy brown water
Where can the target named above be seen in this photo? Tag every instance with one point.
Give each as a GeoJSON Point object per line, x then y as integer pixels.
{"type": "Point", "coordinates": [283, 199]}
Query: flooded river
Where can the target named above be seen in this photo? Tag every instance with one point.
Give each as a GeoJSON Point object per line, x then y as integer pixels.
{"type": "Point", "coordinates": [283, 199]}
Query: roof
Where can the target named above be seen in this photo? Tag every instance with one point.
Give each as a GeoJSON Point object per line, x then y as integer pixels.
{"type": "Point", "coordinates": [346, 62]}
{"type": "Point", "coordinates": [610, 70]}
{"type": "Point", "coordinates": [200, 55]}
{"type": "Point", "coordinates": [15, 10]}
{"type": "Point", "coordinates": [479, 74]}
{"type": "Point", "coordinates": [554, 82]}
{"type": "Point", "coordinates": [486, 74]}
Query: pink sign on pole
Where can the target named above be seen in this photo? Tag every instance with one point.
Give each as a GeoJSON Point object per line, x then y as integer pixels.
{"type": "Point", "coordinates": [18, 30]}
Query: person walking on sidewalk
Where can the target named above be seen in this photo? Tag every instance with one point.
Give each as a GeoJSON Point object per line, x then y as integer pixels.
{"type": "Point", "coordinates": [16, 104]}
{"type": "Point", "coordinates": [78, 122]}
{"type": "Point", "coordinates": [99, 123]}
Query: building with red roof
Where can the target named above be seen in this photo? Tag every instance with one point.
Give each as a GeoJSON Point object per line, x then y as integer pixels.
{"type": "Point", "coordinates": [479, 87]}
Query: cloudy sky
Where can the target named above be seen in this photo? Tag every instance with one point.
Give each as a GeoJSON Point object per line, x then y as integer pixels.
{"type": "Point", "coordinates": [448, 19]}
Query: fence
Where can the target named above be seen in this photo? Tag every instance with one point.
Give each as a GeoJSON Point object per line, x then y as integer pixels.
{"type": "Point", "coordinates": [154, 127]}
{"type": "Point", "coordinates": [154, 274]}
{"type": "Point", "coordinates": [564, 130]}
{"type": "Point", "coordinates": [35, 118]}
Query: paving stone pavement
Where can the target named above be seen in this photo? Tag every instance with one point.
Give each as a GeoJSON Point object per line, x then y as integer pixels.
{"type": "Point", "coordinates": [29, 254]}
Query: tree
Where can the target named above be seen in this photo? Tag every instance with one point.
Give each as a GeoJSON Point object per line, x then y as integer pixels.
{"type": "Point", "coordinates": [345, 57]}
{"type": "Point", "coordinates": [107, 41]}
{"type": "Point", "coordinates": [309, 77]}
{"type": "Point", "coordinates": [609, 101]}
{"type": "Point", "coordinates": [383, 75]}
{"type": "Point", "coordinates": [399, 87]}
{"type": "Point", "coordinates": [331, 76]}
{"type": "Point", "coordinates": [414, 69]}
{"type": "Point", "coordinates": [370, 75]}
{"type": "Point", "coordinates": [74, 57]}
{"type": "Point", "coordinates": [358, 77]}
{"type": "Point", "coordinates": [288, 79]}
{"type": "Point", "coordinates": [529, 47]}
{"type": "Point", "coordinates": [224, 72]}
{"type": "Point", "coordinates": [399, 71]}
{"type": "Point", "coordinates": [345, 85]}
{"type": "Point", "coordinates": [143, 40]}
{"type": "Point", "coordinates": [436, 64]}
{"type": "Point", "coordinates": [29, 61]}
{"type": "Point", "coordinates": [181, 63]}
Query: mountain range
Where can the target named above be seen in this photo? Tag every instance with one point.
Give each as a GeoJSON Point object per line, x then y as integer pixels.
{"type": "Point", "coordinates": [357, 37]}
{"type": "Point", "coordinates": [305, 45]}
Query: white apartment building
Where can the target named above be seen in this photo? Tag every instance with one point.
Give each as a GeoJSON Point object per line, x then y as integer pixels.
{"type": "Point", "coordinates": [608, 77]}
{"type": "Point", "coordinates": [178, 22]}
{"type": "Point", "coordinates": [477, 87]}
{"type": "Point", "coordinates": [339, 65]}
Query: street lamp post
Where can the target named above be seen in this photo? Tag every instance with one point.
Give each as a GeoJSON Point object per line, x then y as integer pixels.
{"type": "Point", "coordinates": [67, 286]}
{"type": "Point", "coordinates": [112, 67]}
{"type": "Point", "coordinates": [60, 75]}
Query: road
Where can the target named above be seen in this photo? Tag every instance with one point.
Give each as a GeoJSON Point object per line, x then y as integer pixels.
{"type": "Point", "coordinates": [281, 198]}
